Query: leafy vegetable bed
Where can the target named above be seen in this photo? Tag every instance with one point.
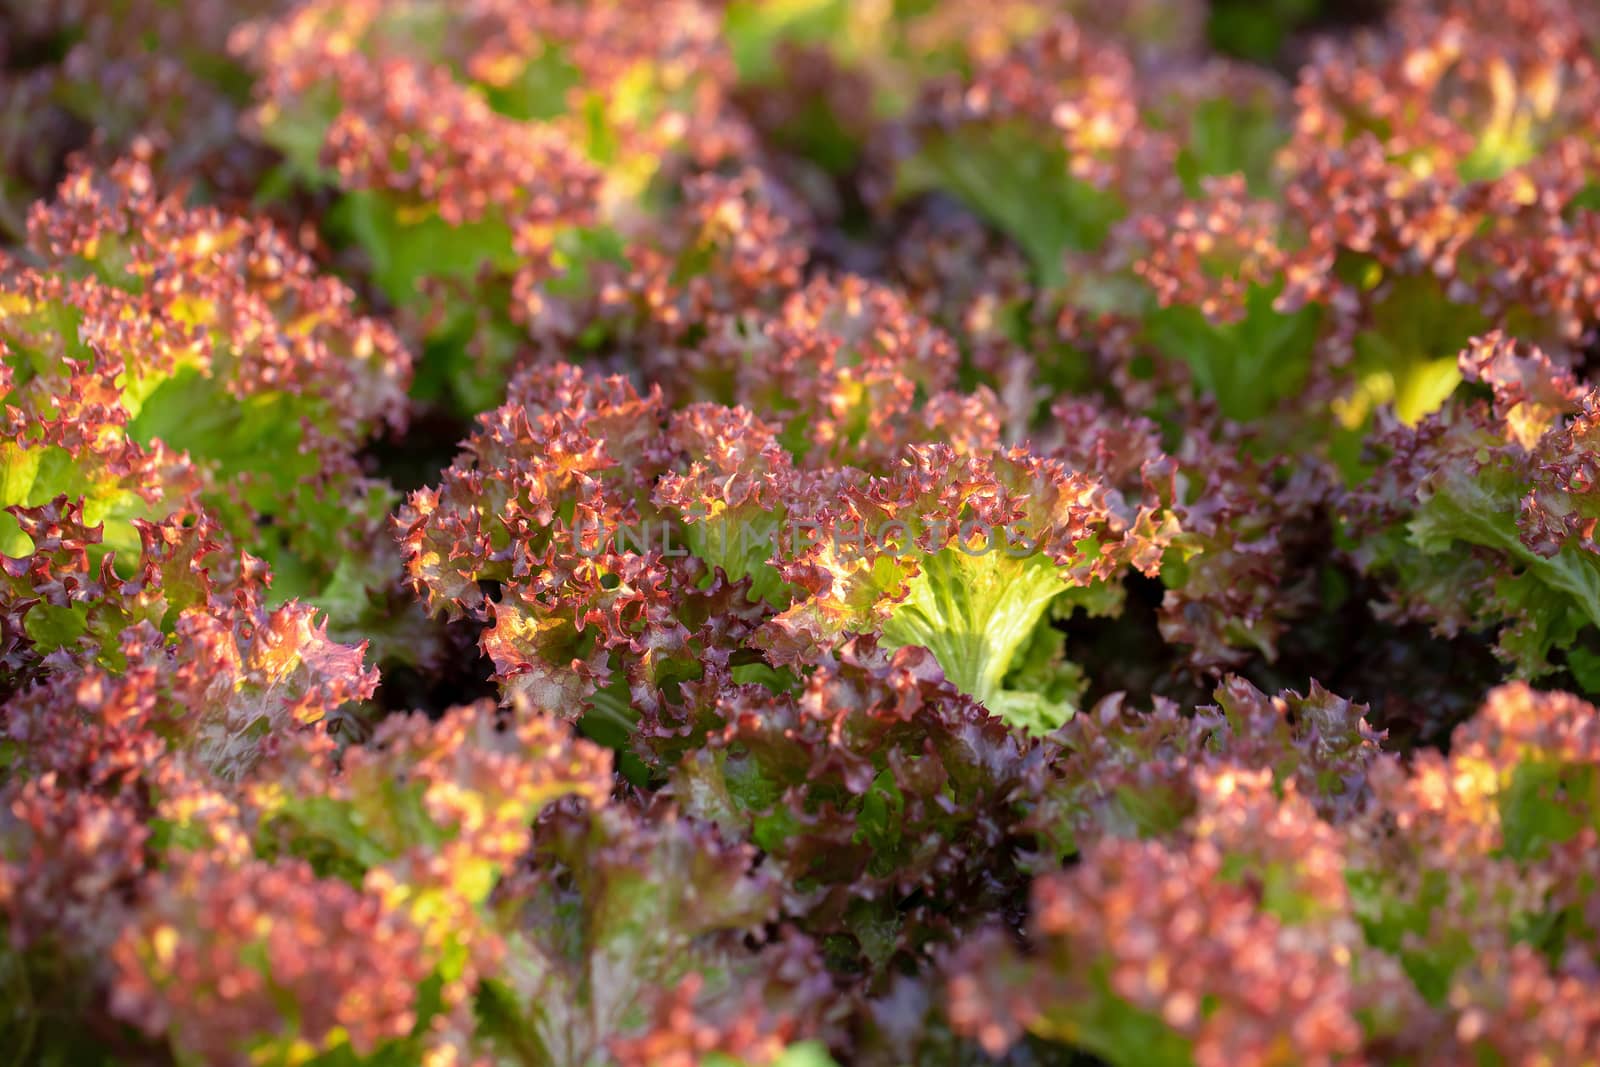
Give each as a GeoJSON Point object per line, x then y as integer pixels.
{"type": "Point", "coordinates": [804, 532]}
